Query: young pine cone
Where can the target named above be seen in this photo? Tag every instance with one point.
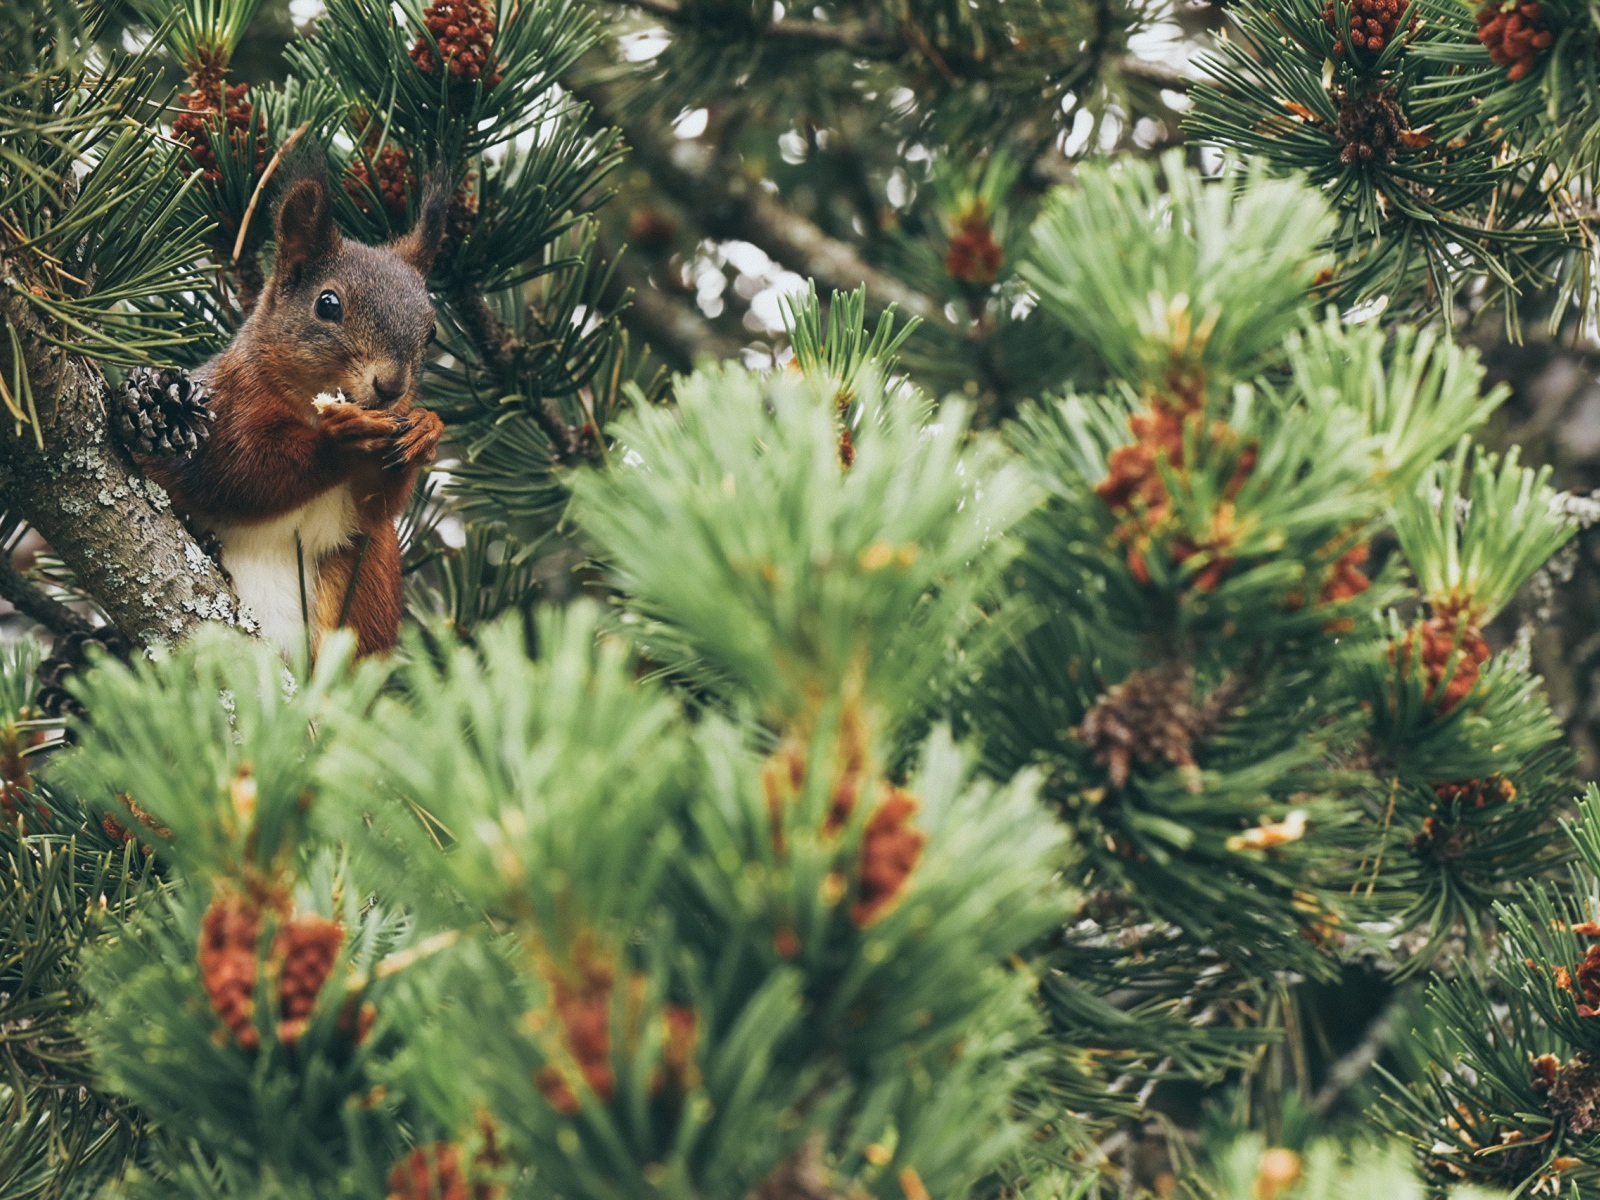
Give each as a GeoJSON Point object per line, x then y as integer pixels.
{"type": "Point", "coordinates": [162, 412]}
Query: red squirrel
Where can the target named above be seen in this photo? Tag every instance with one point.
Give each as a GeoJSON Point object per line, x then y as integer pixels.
{"type": "Point", "coordinates": [301, 493]}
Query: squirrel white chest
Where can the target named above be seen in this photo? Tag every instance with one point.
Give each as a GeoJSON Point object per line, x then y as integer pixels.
{"type": "Point", "coordinates": [271, 561]}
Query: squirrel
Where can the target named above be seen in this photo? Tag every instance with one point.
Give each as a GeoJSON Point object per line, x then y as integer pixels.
{"type": "Point", "coordinates": [316, 441]}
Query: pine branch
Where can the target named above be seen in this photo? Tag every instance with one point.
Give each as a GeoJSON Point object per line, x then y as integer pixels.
{"type": "Point", "coordinates": [731, 205]}
{"type": "Point", "coordinates": [1153, 72]}
{"type": "Point", "coordinates": [32, 601]}
{"type": "Point", "coordinates": [868, 40]}
{"type": "Point", "coordinates": [679, 335]}
{"type": "Point", "coordinates": [502, 353]}
{"type": "Point", "coordinates": [82, 492]}
{"type": "Point", "coordinates": [1353, 1067]}
{"type": "Point", "coordinates": [861, 40]}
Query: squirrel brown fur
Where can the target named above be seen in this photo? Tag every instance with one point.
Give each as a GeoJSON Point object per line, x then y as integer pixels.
{"type": "Point", "coordinates": [298, 491]}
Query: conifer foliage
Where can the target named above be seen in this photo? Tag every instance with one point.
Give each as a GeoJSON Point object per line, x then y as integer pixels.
{"type": "Point", "coordinates": [910, 804]}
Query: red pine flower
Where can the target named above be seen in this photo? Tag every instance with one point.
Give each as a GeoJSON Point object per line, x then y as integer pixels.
{"type": "Point", "coordinates": [306, 948]}
{"type": "Point", "coordinates": [1515, 33]}
{"type": "Point", "coordinates": [392, 166]}
{"type": "Point", "coordinates": [974, 257]}
{"type": "Point", "coordinates": [890, 850]}
{"type": "Point", "coordinates": [1440, 656]}
{"type": "Point", "coordinates": [216, 108]}
{"type": "Point", "coordinates": [229, 934]}
{"type": "Point", "coordinates": [430, 1172]}
{"type": "Point", "coordinates": [464, 31]}
{"type": "Point", "coordinates": [1373, 23]}
{"type": "Point", "coordinates": [582, 1000]}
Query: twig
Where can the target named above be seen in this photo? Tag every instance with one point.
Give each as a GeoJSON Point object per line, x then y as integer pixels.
{"type": "Point", "coordinates": [866, 41]}
{"type": "Point", "coordinates": [255, 196]}
{"type": "Point", "coordinates": [926, 48]}
{"type": "Point", "coordinates": [1388, 816]}
{"type": "Point", "coordinates": [31, 600]}
{"type": "Point", "coordinates": [861, 40]}
{"type": "Point", "coordinates": [677, 333]}
{"type": "Point", "coordinates": [1156, 73]}
{"type": "Point", "coordinates": [502, 351]}
{"type": "Point", "coordinates": [747, 211]}
{"type": "Point", "coordinates": [1349, 1069]}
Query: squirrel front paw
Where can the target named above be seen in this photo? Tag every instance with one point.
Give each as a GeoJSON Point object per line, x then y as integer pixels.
{"type": "Point", "coordinates": [420, 431]}
{"type": "Point", "coordinates": [361, 429]}
{"type": "Point", "coordinates": [161, 412]}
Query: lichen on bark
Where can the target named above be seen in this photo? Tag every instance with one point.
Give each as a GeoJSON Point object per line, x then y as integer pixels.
{"type": "Point", "coordinates": [84, 494]}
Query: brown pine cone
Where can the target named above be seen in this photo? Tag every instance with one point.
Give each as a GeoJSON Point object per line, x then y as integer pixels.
{"type": "Point", "coordinates": [1369, 128]}
{"type": "Point", "coordinates": [68, 656]}
{"type": "Point", "coordinates": [162, 412]}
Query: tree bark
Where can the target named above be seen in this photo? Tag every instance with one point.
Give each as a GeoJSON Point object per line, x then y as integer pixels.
{"type": "Point", "coordinates": [82, 491]}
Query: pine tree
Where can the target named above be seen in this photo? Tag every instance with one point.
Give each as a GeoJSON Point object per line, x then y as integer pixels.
{"type": "Point", "coordinates": [929, 796]}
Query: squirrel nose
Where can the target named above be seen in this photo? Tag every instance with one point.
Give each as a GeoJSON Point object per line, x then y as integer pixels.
{"type": "Point", "coordinates": [389, 388]}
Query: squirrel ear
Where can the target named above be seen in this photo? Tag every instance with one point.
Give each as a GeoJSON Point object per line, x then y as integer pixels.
{"type": "Point", "coordinates": [305, 230]}
{"type": "Point", "coordinates": [421, 246]}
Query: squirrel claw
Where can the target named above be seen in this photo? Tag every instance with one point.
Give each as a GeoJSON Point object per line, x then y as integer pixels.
{"type": "Point", "coordinates": [416, 441]}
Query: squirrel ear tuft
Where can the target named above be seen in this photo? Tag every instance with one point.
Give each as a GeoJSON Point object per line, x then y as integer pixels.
{"type": "Point", "coordinates": [421, 246]}
{"type": "Point", "coordinates": [305, 230]}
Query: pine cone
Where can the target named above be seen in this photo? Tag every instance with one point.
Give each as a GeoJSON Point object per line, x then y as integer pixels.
{"type": "Point", "coordinates": [1438, 650]}
{"type": "Point", "coordinates": [162, 412]}
{"type": "Point", "coordinates": [1370, 127]}
{"type": "Point", "coordinates": [119, 833]}
{"type": "Point", "coordinates": [306, 949]}
{"type": "Point", "coordinates": [229, 934]}
{"type": "Point", "coordinates": [1437, 842]}
{"type": "Point", "coordinates": [1572, 1091]}
{"type": "Point", "coordinates": [1150, 715]}
{"type": "Point", "coordinates": [974, 257]}
{"type": "Point", "coordinates": [69, 655]}
{"type": "Point", "coordinates": [213, 105]}
{"type": "Point", "coordinates": [582, 1000]}
{"type": "Point", "coordinates": [1479, 792]}
{"type": "Point", "coordinates": [395, 179]}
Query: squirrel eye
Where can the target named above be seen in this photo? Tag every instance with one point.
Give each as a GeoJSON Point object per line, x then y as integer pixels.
{"type": "Point", "coordinates": [433, 334]}
{"type": "Point", "coordinates": [329, 307]}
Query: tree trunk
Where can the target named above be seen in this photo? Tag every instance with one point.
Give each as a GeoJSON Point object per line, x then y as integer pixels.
{"type": "Point", "coordinates": [115, 529]}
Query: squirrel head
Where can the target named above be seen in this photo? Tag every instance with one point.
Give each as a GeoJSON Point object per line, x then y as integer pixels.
{"type": "Point", "coordinates": [341, 315]}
